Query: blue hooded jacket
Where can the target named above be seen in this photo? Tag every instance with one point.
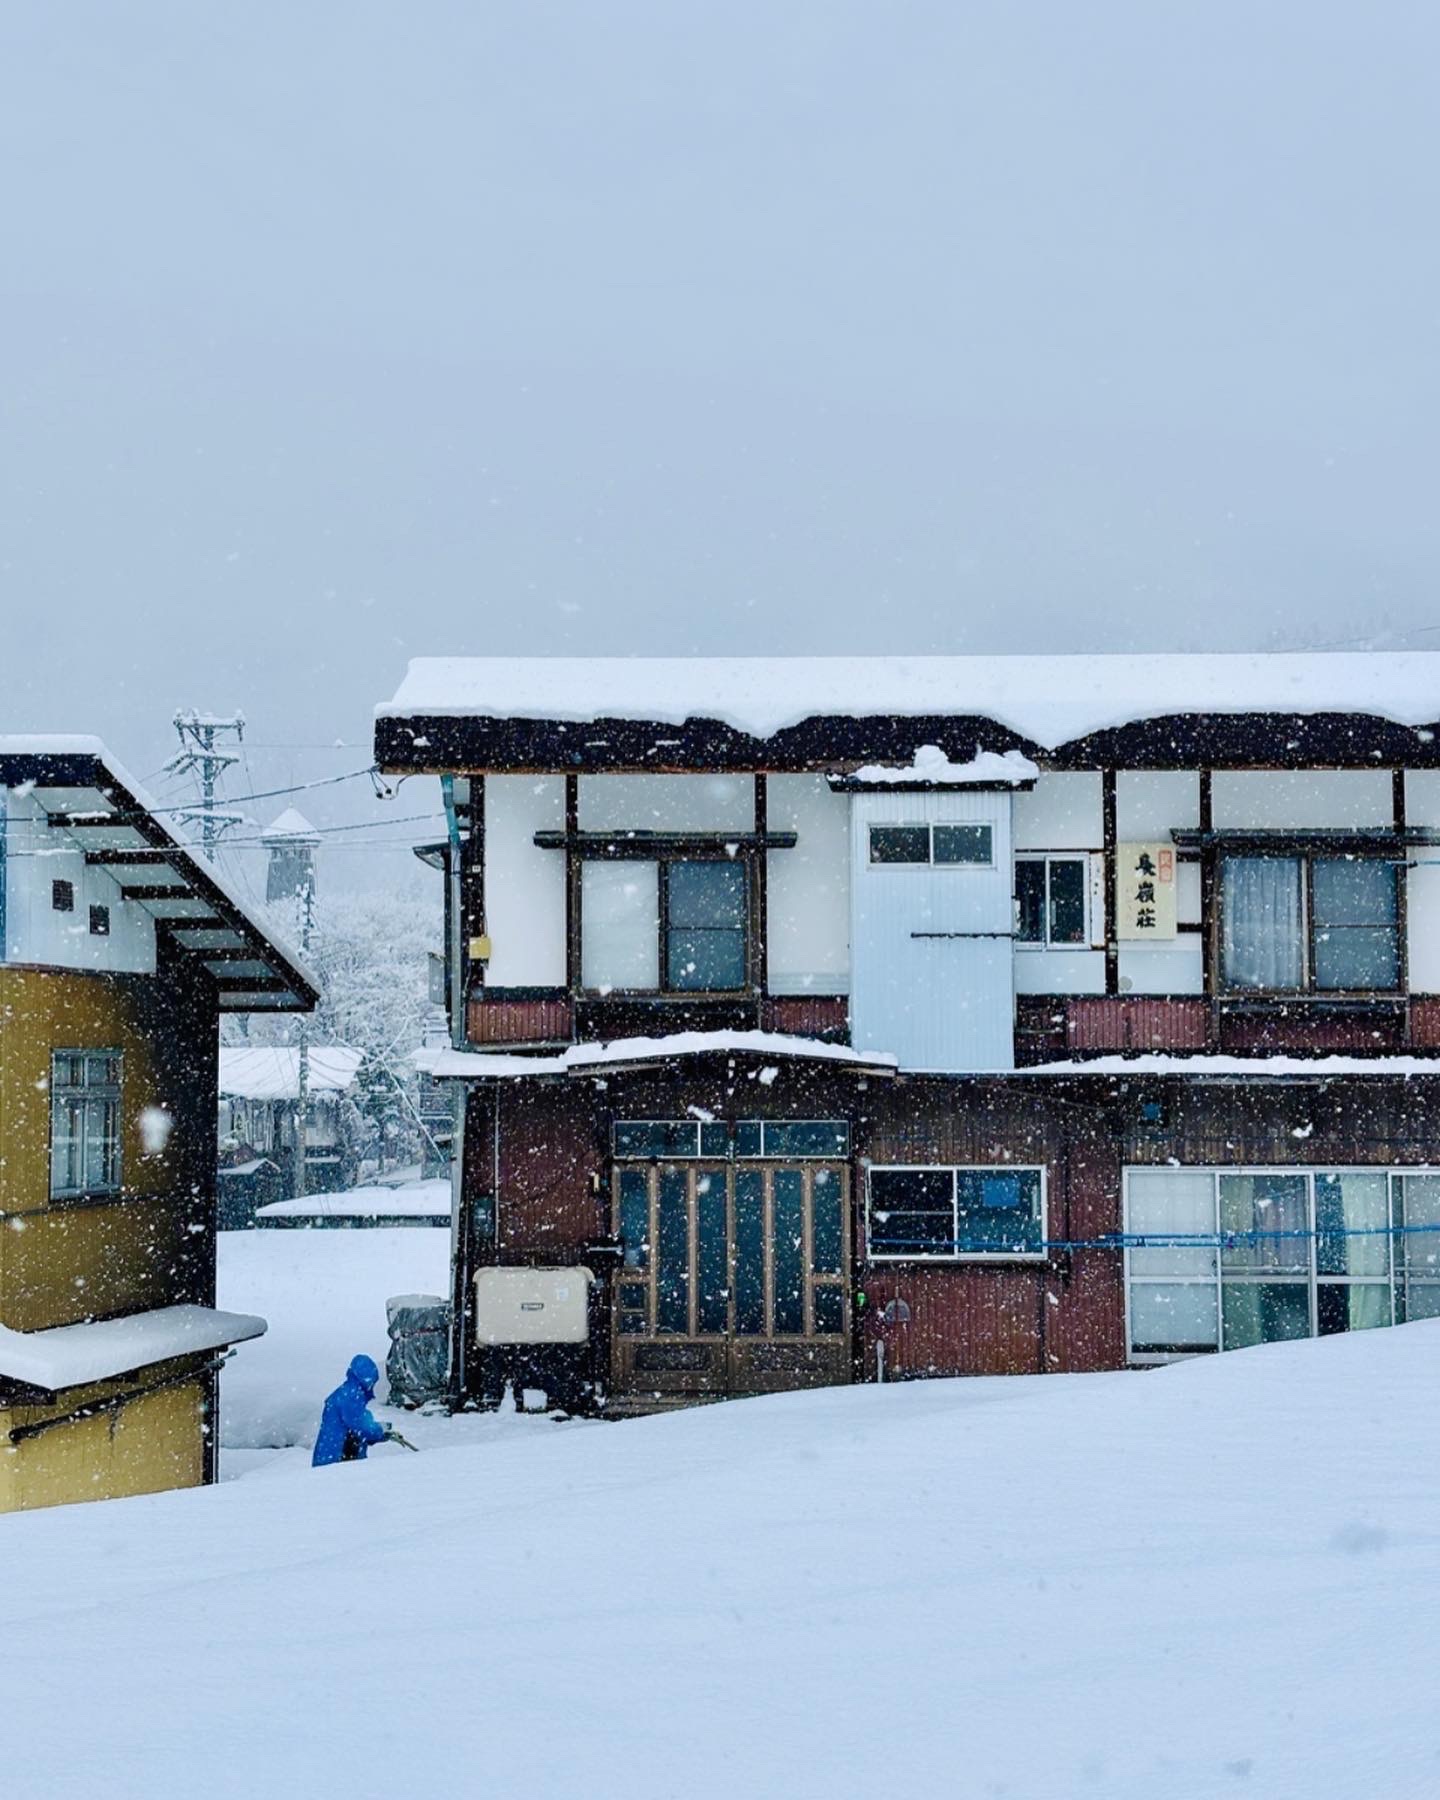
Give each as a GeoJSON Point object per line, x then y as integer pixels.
{"type": "Point", "coordinates": [347, 1429]}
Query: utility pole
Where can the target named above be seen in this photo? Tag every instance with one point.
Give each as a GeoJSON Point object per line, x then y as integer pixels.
{"type": "Point", "coordinates": [199, 734]}
{"type": "Point", "coordinates": [302, 1060]}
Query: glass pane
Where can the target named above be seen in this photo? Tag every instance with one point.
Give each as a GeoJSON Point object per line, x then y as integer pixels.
{"type": "Point", "coordinates": [747, 1137]}
{"type": "Point", "coordinates": [998, 1211]}
{"type": "Point", "coordinates": [713, 1300]}
{"type": "Point", "coordinates": [715, 1139]}
{"type": "Point", "coordinates": [912, 1212]}
{"type": "Point", "coordinates": [807, 1137]}
{"type": "Point", "coordinates": [655, 1137]}
{"type": "Point", "coordinates": [788, 1250]}
{"type": "Point", "coordinates": [1269, 1216]}
{"type": "Point", "coordinates": [1263, 929]}
{"type": "Point", "coordinates": [634, 1309]}
{"type": "Point", "coordinates": [1265, 1312]}
{"type": "Point", "coordinates": [825, 1223]}
{"type": "Point", "coordinates": [749, 1253]}
{"type": "Point", "coordinates": [1067, 901]}
{"type": "Point", "coordinates": [963, 844]}
{"type": "Point", "coordinates": [1173, 1316]}
{"type": "Point", "coordinates": [620, 925]}
{"type": "Point", "coordinates": [1030, 902]}
{"type": "Point", "coordinates": [672, 1312]}
{"type": "Point", "coordinates": [633, 1324]}
{"type": "Point", "coordinates": [1358, 1204]}
{"type": "Point", "coordinates": [1357, 1306]}
{"type": "Point", "coordinates": [99, 1145]}
{"type": "Point", "coordinates": [635, 1217]}
{"type": "Point", "coordinates": [705, 962]}
{"type": "Point", "coordinates": [1350, 958]}
{"type": "Point", "coordinates": [829, 1309]}
{"type": "Point", "coordinates": [1347, 891]}
{"type": "Point", "coordinates": [899, 843]}
{"type": "Point", "coordinates": [1422, 1300]}
{"type": "Point", "coordinates": [1417, 1246]}
{"type": "Point", "coordinates": [1171, 1203]}
{"type": "Point", "coordinates": [707, 894]}
{"type": "Point", "coordinates": [65, 1168]}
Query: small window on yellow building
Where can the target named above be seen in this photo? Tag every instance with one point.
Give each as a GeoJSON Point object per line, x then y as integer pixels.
{"type": "Point", "coordinates": [84, 1123]}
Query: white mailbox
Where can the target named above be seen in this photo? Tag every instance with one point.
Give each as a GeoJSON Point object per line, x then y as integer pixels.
{"type": "Point", "coordinates": [532, 1306]}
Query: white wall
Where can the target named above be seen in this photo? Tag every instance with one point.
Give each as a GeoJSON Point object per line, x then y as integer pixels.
{"type": "Point", "coordinates": [938, 1002]}
{"type": "Point", "coordinates": [524, 886]}
{"type": "Point", "coordinates": [1305, 799]}
{"type": "Point", "coordinates": [36, 857]}
{"type": "Point", "coordinates": [667, 803]}
{"type": "Point", "coordinates": [1174, 967]}
{"type": "Point", "coordinates": [1422, 797]}
{"type": "Point", "coordinates": [1061, 812]}
{"type": "Point", "coordinates": [808, 888]}
{"type": "Point", "coordinates": [1151, 803]}
{"type": "Point", "coordinates": [1422, 901]}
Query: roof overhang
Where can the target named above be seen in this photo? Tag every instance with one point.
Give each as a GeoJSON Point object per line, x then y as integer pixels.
{"type": "Point", "coordinates": [639, 1052]}
{"type": "Point", "coordinates": [87, 798]}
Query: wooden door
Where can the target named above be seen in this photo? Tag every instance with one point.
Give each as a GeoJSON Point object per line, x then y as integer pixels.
{"type": "Point", "coordinates": [735, 1280]}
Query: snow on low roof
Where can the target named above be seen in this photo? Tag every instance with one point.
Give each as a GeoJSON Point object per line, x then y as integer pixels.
{"type": "Point", "coordinates": [272, 1071]}
{"type": "Point", "coordinates": [425, 1200]}
{"type": "Point", "coordinates": [1253, 1068]}
{"type": "Point", "coordinates": [1050, 700]}
{"type": "Point", "coordinates": [473, 1064]}
{"type": "Point", "coordinates": [930, 764]}
{"type": "Point", "coordinates": [69, 1356]}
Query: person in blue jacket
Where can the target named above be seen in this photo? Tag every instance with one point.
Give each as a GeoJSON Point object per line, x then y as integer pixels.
{"type": "Point", "coordinates": [347, 1428]}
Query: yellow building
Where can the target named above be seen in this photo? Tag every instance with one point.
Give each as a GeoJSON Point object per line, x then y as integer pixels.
{"type": "Point", "coordinates": [119, 950]}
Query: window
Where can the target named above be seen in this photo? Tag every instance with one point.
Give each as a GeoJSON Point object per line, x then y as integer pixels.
{"type": "Point", "coordinates": [84, 1123]}
{"type": "Point", "coordinates": [62, 896]}
{"type": "Point", "coordinates": [1310, 924]}
{"type": "Point", "coordinates": [1227, 1258]}
{"type": "Point", "coordinates": [946, 846]}
{"type": "Point", "coordinates": [1051, 896]}
{"type": "Point", "coordinates": [678, 1139]}
{"type": "Point", "coordinates": [949, 1213]}
{"type": "Point", "coordinates": [679, 927]}
{"type": "Point", "coordinates": [99, 921]}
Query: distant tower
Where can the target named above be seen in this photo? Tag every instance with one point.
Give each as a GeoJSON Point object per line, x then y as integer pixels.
{"type": "Point", "coordinates": [292, 842]}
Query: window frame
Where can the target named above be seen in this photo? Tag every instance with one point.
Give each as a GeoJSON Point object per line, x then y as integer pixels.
{"type": "Point", "coordinates": [743, 859]}
{"type": "Point", "coordinates": [955, 1254]}
{"type": "Point", "coordinates": [1047, 943]}
{"type": "Point", "coordinates": [929, 827]}
{"type": "Point", "coordinates": [1395, 1283]}
{"type": "Point", "coordinates": [89, 1096]}
{"type": "Point", "coordinates": [1306, 856]}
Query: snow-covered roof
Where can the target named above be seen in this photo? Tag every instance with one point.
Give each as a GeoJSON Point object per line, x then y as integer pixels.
{"type": "Point", "coordinates": [1254, 1068]}
{"type": "Point", "coordinates": [272, 1071]}
{"type": "Point", "coordinates": [86, 790]}
{"type": "Point", "coordinates": [473, 1065]}
{"type": "Point", "coordinates": [932, 767]}
{"type": "Point", "coordinates": [69, 1356]}
{"type": "Point", "coordinates": [1050, 700]}
{"type": "Point", "coordinates": [423, 1200]}
{"type": "Point", "coordinates": [291, 823]}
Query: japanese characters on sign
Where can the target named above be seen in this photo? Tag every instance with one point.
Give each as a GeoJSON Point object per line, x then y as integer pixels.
{"type": "Point", "coordinates": [1145, 882]}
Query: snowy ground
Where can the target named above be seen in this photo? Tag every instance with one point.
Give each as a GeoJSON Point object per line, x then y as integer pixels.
{"type": "Point", "coordinates": [1217, 1579]}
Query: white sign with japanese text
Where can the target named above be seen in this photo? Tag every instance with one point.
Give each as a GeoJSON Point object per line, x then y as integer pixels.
{"type": "Point", "coordinates": [1145, 891]}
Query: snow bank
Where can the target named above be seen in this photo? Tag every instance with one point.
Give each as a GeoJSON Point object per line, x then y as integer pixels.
{"type": "Point", "coordinates": [69, 1356]}
{"type": "Point", "coordinates": [1048, 699]}
{"type": "Point", "coordinates": [1214, 1579]}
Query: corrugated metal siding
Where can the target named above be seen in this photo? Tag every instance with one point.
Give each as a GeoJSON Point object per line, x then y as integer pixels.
{"type": "Point", "coordinates": [519, 1021]}
{"type": "Point", "coordinates": [938, 1002]}
{"type": "Point", "coordinates": [807, 1016]}
{"type": "Point", "coordinates": [1133, 1022]}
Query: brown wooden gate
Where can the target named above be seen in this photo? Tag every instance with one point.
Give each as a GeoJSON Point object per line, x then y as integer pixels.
{"type": "Point", "coordinates": [735, 1279]}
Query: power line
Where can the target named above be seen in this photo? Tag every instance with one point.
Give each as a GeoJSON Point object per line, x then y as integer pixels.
{"type": "Point", "coordinates": [273, 793]}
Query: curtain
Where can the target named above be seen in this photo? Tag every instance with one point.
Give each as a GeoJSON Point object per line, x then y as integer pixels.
{"type": "Point", "coordinates": [1263, 944]}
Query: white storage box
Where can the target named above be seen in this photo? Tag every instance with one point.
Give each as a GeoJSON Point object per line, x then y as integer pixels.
{"type": "Point", "coordinates": [532, 1306]}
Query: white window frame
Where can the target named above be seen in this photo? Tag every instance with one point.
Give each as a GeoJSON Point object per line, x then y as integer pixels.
{"type": "Point", "coordinates": [930, 826]}
{"type": "Point", "coordinates": [1312, 1280]}
{"type": "Point", "coordinates": [1045, 946]}
{"type": "Point", "coordinates": [957, 1255]}
{"type": "Point", "coordinates": [91, 1097]}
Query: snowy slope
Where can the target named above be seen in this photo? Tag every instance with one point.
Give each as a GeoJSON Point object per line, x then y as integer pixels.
{"type": "Point", "coordinates": [1221, 1578]}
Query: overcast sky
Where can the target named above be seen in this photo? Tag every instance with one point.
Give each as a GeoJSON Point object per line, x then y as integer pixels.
{"type": "Point", "coordinates": [335, 333]}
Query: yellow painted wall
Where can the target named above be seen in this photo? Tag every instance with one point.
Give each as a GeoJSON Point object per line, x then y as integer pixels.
{"type": "Point", "coordinates": [63, 1262]}
{"type": "Point", "coordinates": [151, 1443]}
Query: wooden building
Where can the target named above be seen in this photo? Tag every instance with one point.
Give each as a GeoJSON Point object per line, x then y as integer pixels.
{"type": "Point", "coordinates": [119, 950]}
{"type": "Point", "coordinates": [833, 1019]}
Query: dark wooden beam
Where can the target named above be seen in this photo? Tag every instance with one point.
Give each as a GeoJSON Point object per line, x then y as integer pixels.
{"type": "Point", "coordinates": [158, 891]}
{"type": "Point", "coordinates": [110, 858]}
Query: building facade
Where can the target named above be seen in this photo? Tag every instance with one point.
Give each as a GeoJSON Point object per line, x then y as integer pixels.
{"type": "Point", "coordinates": [119, 949]}
{"type": "Point", "coordinates": [855, 1019]}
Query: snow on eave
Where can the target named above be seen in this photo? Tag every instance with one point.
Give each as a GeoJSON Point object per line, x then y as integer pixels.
{"type": "Point", "coordinates": [1252, 1068]}
{"type": "Point", "coordinates": [49, 745]}
{"type": "Point", "coordinates": [68, 1356]}
{"type": "Point", "coordinates": [474, 1065]}
{"type": "Point", "coordinates": [1049, 700]}
{"type": "Point", "coordinates": [931, 766]}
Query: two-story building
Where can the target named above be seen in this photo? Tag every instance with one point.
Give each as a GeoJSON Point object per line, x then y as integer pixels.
{"type": "Point", "coordinates": [119, 949]}
{"type": "Point", "coordinates": [830, 1019]}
